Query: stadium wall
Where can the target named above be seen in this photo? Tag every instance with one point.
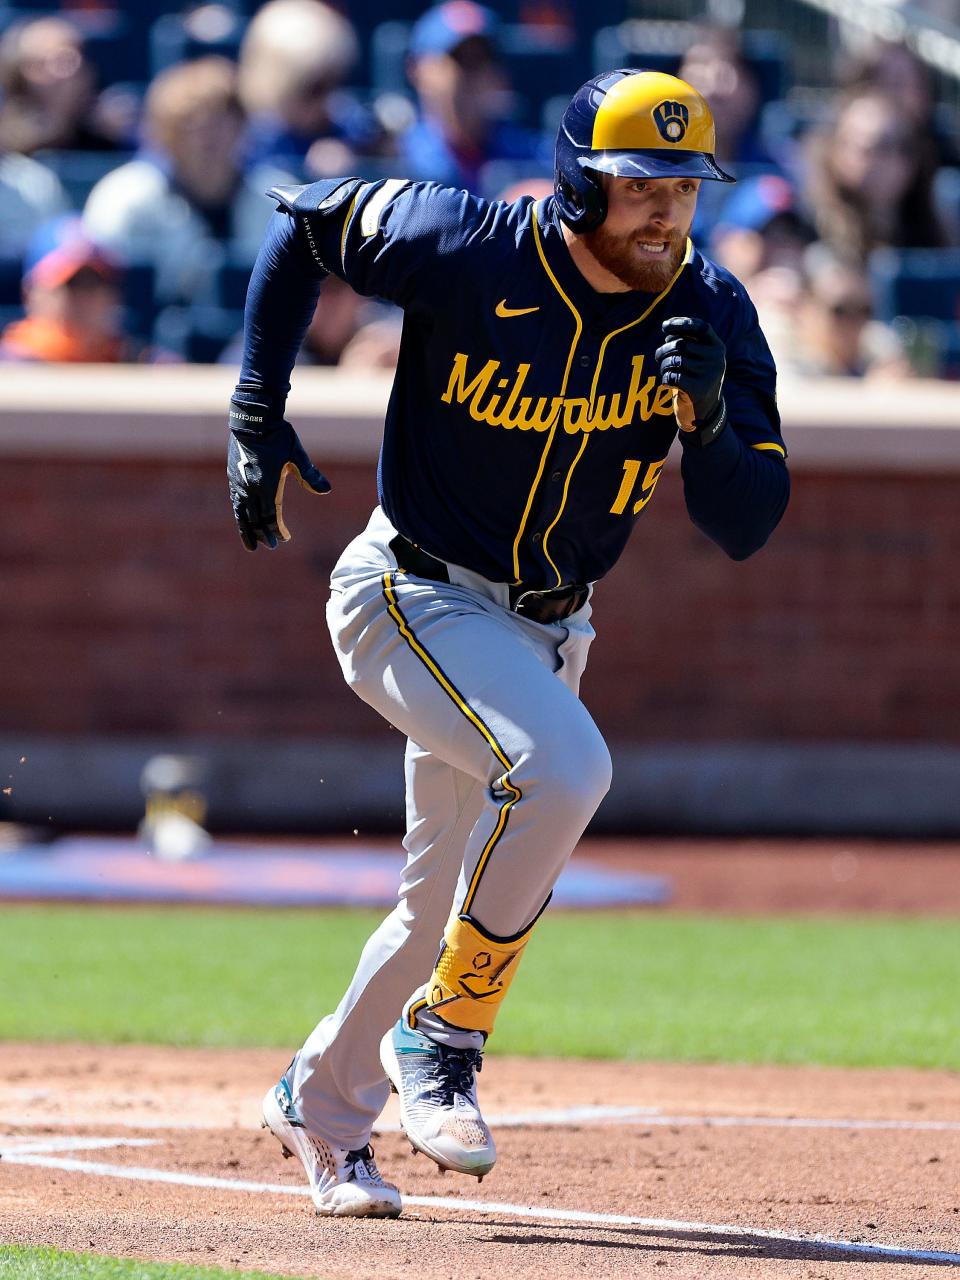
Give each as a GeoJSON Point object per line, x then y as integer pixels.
{"type": "Point", "coordinates": [815, 687]}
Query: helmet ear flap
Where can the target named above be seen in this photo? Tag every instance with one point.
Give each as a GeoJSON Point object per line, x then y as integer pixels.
{"type": "Point", "coordinates": [580, 198]}
{"type": "Point", "coordinates": [581, 204]}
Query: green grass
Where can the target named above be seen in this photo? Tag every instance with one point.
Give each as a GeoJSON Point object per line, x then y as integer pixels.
{"type": "Point", "coordinates": [23, 1263]}
{"type": "Point", "coordinates": [873, 991]}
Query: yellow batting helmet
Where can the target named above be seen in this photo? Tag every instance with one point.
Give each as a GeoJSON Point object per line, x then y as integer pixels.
{"type": "Point", "coordinates": [630, 123]}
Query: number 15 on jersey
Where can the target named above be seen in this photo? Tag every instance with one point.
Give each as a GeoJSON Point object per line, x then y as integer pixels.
{"type": "Point", "coordinates": [631, 471]}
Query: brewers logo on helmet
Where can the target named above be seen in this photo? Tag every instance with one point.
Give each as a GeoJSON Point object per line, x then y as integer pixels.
{"type": "Point", "coordinates": [630, 123]}
{"type": "Point", "coordinates": [671, 119]}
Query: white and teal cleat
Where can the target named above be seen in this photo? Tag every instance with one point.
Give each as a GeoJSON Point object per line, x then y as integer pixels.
{"type": "Point", "coordinates": [343, 1184]}
{"type": "Point", "coordinates": [437, 1088]}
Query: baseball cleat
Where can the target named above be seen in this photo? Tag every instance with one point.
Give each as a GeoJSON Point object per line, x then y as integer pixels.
{"type": "Point", "coordinates": [437, 1088]}
{"type": "Point", "coordinates": [343, 1184]}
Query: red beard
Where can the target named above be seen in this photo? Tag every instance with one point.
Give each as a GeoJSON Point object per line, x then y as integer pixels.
{"type": "Point", "coordinates": [620, 256]}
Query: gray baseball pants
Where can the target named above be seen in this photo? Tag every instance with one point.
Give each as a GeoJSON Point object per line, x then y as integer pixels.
{"type": "Point", "coordinates": [488, 701]}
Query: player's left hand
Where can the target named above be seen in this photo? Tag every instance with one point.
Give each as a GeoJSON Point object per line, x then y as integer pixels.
{"type": "Point", "coordinates": [693, 360]}
{"type": "Point", "coordinates": [259, 460]}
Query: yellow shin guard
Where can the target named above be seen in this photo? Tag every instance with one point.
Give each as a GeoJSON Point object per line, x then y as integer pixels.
{"type": "Point", "coordinates": [472, 974]}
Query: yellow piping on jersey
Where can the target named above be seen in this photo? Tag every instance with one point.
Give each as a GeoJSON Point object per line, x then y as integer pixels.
{"type": "Point", "coordinates": [688, 254]}
{"type": "Point", "coordinates": [503, 784]}
{"type": "Point", "coordinates": [526, 510]}
{"type": "Point", "coordinates": [563, 503]}
{"type": "Point", "coordinates": [774, 448]}
{"type": "Point", "coordinates": [556, 284]}
{"type": "Point", "coordinates": [563, 390]}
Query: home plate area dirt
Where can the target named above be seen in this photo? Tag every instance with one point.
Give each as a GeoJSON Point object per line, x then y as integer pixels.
{"type": "Point", "coordinates": [714, 1171]}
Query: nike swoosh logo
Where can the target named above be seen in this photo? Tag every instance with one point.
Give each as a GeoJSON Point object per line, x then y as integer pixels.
{"type": "Point", "coordinates": [505, 312]}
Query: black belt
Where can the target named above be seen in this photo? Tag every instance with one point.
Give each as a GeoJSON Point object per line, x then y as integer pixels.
{"type": "Point", "coordinates": [540, 606]}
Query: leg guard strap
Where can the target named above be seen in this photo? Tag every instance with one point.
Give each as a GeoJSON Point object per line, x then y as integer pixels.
{"type": "Point", "coordinates": [472, 974]}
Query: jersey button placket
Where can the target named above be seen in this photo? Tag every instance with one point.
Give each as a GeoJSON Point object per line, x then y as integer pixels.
{"type": "Point", "coordinates": [562, 455]}
{"type": "Point", "coordinates": [579, 386]}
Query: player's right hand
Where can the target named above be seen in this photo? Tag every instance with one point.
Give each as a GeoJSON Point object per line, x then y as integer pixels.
{"type": "Point", "coordinates": [260, 455]}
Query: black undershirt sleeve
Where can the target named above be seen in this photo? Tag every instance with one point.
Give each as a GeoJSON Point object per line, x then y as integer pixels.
{"type": "Point", "coordinates": [281, 298]}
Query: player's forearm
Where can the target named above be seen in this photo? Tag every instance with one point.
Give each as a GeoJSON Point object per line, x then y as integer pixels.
{"type": "Point", "coordinates": [281, 298]}
{"type": "Point", "coordinates": [734, 494]}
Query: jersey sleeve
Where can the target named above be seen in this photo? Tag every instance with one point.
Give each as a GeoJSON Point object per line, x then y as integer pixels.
{"type": "Point", "coordinates": [750, 384]}
{"type": "Point", "coordinates": [403, 241]}
{"type": "Point", "coordinates": [737, 488]}
{"type": "Point", "coordinates": [398, 240]}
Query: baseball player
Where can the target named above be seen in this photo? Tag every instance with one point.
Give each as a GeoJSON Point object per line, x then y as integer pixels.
{"type": "Point", "coordinates": [551, 350]}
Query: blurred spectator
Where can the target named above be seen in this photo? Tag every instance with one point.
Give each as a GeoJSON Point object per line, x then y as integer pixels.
{"type": "Point", "coordinates": [715, 66]}
{"type": "Point", "coordinates": [463, 95]}
{"type": "Point", "coordinates": [537, 188]}
{"type": "Point", "coordinates": [48, 91]}
{"type": "Point", "coordinates": [351, 331]}
{"type": "Point", "coordinates": [346, 330]}
{"type": "Point", "coordinates": [834, 332]}
{"type": "Point", "coordinates": [294, 58]}
{"type": "Point", "coordinates": [896, 70]}
{"type": "Point", "coordinates": [174, 203]}
{"type": "Point", "coordinates": [869, 181]}
{"type": "Point", "coordinates": [760, 226]}
{"type": "Point", "coordinates": [72, 300]}
{"type": "Point", "coordinates": [29, 195]}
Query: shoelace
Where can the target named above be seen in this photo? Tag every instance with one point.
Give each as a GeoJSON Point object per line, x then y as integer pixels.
{"type": "Point", "coordinates": [455, 1072]}
{"type": "Point", "coordinates": [362, 1155]}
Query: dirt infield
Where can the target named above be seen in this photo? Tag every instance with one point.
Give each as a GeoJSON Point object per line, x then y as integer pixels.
{"type": "Point", "coordinates": [720, 1172]}
{"type": "Point", "coordinates": [746, 1171]}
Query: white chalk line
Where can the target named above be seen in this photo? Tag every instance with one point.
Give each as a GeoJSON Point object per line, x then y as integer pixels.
{"type": "Point", "coordinates": [548, 1118]}
{"type": "Point", "coordinates": [506, 1120]}
{"type": "Point", "coordinates": [44, 1146]}
{"type": "Point", "coordinates": [799, 1122]}
{"type": "Point", "coordinates": [79, 1120]}
{"type": "Point", "coordinates": [540, 1212]}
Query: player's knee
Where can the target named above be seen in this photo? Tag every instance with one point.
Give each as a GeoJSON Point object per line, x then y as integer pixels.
{"type": "Point", "coordinates": [576, 771]}
{"type": "Point", "coordinates": [594, 772]}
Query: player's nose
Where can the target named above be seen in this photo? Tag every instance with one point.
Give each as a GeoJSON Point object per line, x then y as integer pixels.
{"type": "Point", "coordinates": [661, 225]}
{"type": "Point", "coordinates": [662, 212]}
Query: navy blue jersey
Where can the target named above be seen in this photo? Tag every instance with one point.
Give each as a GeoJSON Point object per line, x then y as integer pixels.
{"type": "Point", "coordinates": [526, 429]}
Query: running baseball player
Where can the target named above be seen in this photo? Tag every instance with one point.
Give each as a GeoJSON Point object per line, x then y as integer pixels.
{"type": "Point", "coordinates": [551, 350]}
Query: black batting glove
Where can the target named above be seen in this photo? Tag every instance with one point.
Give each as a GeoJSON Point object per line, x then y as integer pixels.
{"type": "Point", "coordinates": [263, 450]}
{"type": "Point", "coordinates": [693, 360]}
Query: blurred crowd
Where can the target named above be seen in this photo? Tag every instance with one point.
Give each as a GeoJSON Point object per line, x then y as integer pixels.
{"type": "Point", "coordinates": [137, 140]}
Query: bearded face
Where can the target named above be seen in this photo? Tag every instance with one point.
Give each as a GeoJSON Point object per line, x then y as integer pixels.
{"type": "Point", "coordinates": [645, 260]}
{"type": "Point", "coordinates": [642, 240]}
